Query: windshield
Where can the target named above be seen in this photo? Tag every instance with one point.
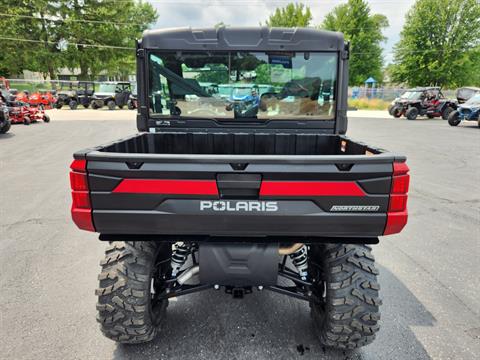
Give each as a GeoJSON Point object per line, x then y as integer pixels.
{"type": "Point", "coordinates": [415, 95]}
{"type": "Point", "coordinates": [475, 100]}
{"type": "Point", "coordinates": [248, 85]}
{"type": "Point", "coordinates": [107, 88]}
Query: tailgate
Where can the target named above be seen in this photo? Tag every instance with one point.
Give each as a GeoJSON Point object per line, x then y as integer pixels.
{"type": "Point", "coordinates": [233, 195]}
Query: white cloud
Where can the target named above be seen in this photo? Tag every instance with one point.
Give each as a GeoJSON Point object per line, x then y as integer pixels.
{"type": "Point", "coordinates": [206, 13]}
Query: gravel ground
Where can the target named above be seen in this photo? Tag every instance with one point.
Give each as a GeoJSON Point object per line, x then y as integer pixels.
{"type": "Point", "coordinates": [428, 274]}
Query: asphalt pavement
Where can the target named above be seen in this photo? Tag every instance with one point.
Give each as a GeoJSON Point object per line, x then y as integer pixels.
{"type": "Point", "coordinates": [429, 274]}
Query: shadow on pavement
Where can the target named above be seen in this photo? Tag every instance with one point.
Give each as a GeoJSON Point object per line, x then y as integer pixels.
{"type": "Point", "coordinates": [7, 135]}
{"type": "Point", "coordinates": [264, 325]}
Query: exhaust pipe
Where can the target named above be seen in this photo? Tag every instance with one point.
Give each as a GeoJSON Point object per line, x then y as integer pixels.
{"type": "Point", "coordinates": [289, 249]}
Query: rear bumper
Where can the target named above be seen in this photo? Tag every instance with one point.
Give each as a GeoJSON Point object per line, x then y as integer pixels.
{"type": "Point", "coordinates": [163, 223]}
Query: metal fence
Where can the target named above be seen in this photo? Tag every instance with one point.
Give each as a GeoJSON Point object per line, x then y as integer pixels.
{"type": "Point", "coordinates": [34, 85]}
{"type": "Point", "coordinates": [386, 94]}
{"type": "Point", "coordinates": [382, 93]}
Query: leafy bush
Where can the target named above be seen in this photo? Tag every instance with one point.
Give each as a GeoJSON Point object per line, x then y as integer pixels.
{"type": "Point", "coordinates": [368, 104]}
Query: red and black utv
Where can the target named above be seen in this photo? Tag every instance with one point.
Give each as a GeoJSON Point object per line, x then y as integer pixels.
{"type": "Point", "coordinates": [427, 101]}
{"type": "Point", "coordinates": [273, 200]}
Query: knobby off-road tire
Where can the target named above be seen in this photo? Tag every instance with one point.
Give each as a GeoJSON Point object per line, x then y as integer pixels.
{"type": "Point", "coordinates": [126, 311]}
{"type": "Point", "coordinates": [411, 113]}
{"type": "Point", "coordinates": [454, 118]}
{"type": "Point", "coordinates": [5, 128]}
{"type": "Point", "coordinates": [446, 113]}
{"type": "Point", "coordinates": [73, 105]}
{"type": "Point", "coordinates": [396, 112]}
{"type": "Point", "coordinates": [348, 316]}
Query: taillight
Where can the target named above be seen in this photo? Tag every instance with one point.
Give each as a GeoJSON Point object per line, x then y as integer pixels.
{"type": "Point", "coordinates": [78, 181]}
{"type": "Point", "coordinates": [81, 199]}
{"type": "Point", "coordinates": [400, 184]}
{"type": "Point", "coordinates": [81, 207]}
{"type": "Point", "coordinates": [397, 208]}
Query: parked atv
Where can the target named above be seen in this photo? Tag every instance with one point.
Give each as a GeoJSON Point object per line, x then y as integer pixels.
{"type": "Point", "coordinates": [83, 95]}
{"type": "Point", "coordinates": [112, 94]}
{"type": "Point", "coordinates": [428, 102]}
{"type": "Point", "coordinates": [469, 111]}
{"type": "Point", "coordinates": [404, 96]}
{"type": "Point", "coordinates": [64, 94]}
{"type": "Point", "coordinates": [74, 94]}
{"type": "Point", "coordinates": [463, 94]}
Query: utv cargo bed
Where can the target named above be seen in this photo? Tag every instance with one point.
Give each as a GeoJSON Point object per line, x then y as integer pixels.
{"type": "Point", "coordinates": [239, 184]}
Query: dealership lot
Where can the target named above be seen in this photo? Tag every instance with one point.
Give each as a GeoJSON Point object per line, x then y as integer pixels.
{"type": "Point", "coordinates": [428, 273]}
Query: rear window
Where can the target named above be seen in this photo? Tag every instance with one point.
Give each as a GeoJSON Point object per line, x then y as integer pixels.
{"type": "Point", "coordinates": [243, 85]}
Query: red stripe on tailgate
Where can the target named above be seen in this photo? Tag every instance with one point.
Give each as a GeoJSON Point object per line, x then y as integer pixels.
{"type": "Point", "coordinates": [156, 186]}
{"type": "Point", "coordinates": [310, 188]}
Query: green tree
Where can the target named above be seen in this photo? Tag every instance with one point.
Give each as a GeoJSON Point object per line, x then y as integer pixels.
{"type": "Point", "coordinates": [101, 33]}
{"type": "Point", "coordinates": [364, 31]}
{"type": "Point", "coordinates": [217, 76]}
{"type": "Point", "coordinates": [263, 74]}
{"type": "Point", "coordinates": [92, 35]}
{"type": "Point", "coordinates": [32, 37]}
{"type": "Point", "coordinates": [437, 44]}
{"type": "Point", "coordinates": [292, 15]}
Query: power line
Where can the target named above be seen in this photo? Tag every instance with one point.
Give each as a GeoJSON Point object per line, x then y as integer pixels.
{"type": "Point", "coordinates": [104, 22]}
{"type": "Point", "coordinates": [132, 48]}
{"type": "Point", "coordinates": [77, 44]}
{"type": "Point", "coordinates": [72, 20]}
{"type": "Point", "coordinates": [311, 3]}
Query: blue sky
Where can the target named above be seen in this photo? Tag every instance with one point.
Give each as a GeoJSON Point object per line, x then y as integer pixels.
{"type": "Point", "coordinates": [202, 13]}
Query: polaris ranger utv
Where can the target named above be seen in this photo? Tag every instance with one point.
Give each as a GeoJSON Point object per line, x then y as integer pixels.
{"type": "Point", "coordinates": [205, 198]}
{"type": "Point", "coordinates": [112, 94]}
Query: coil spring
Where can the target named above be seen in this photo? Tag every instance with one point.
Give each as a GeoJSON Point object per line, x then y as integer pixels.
{"type": "Point", "coordinates": [300, 260]}
{"type": "Point", "coordinates": [179, 256]}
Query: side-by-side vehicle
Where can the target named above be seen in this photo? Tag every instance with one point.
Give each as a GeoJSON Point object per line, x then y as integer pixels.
{"type": "Point", "coordinates": [270, 197]}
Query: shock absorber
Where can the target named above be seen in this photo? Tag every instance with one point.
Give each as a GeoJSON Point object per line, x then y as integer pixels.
{"type": "Point", "coordinates": [179, 256]}
{"type": "Point", "coordinates": [300, 260]}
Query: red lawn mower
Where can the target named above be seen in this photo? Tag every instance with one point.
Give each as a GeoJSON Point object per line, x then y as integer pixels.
{"type": "Point", "coordinates": [17, 110]}
{"type": "Point", "coordinates": [43, 98]}
{"type": "Point", "coordinates": [21, 112]}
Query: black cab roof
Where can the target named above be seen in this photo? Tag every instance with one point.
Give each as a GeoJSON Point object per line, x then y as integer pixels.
{"type": "Point", "coordinates": [243, 38]}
